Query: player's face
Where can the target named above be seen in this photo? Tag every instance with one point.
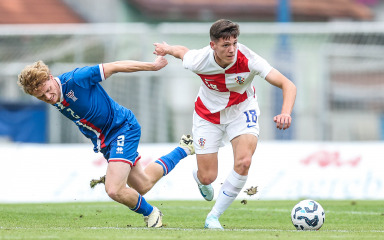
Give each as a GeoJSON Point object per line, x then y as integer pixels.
{"type": "Point", "coordinates": [224, 50]}
{"type": "Point", "coordinates": [48, 92]}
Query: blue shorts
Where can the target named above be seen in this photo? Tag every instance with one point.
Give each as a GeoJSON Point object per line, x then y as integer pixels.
{"type": "Point", "coordinates": [124, 147]}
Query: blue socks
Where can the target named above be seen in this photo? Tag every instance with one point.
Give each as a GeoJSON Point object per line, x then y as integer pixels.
{"type": "Point", "coordinates": [142, 207]}
{"type": "Point", "coordinates": [169, 161]}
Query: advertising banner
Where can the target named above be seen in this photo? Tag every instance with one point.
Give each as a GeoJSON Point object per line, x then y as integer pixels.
{"type": "Point", "coordinates": [279, 170]}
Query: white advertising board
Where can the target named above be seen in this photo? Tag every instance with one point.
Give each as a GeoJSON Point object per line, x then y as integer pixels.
{"type": "Point", "coordinates": [280, 170]}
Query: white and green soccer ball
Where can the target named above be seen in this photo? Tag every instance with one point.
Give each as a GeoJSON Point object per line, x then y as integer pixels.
{"type": "Point", "coordinates": [308, 215]}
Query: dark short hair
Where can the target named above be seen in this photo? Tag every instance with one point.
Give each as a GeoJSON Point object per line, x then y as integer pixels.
{"type": "Point", "coordinates": [224, 28]}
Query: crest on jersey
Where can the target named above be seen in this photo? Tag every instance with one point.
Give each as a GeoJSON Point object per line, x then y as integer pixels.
{"type": "Point", "coordinates": [239, 79]}
{"type": "Point", "coordinates": [201, 142]}
{"type": "Point", "coordinates": [71, 95]}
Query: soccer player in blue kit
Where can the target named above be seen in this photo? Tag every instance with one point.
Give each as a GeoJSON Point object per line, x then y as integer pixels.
{"type": "Point", "coordinates": [112, 128]}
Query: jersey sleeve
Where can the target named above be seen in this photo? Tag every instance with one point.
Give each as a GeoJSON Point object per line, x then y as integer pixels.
{"type": "Point", "coordinates": [195, 60]}
{"type": "Point", "coordinates": [87, 76]}
{"type": "Point", "coordinates": [261, 66]}
{"type": "Point", "coordinates": [257, 64]}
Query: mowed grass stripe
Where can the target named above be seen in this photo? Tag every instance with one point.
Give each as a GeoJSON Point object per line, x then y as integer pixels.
{"type": "Point", "coordinates": [192, 229]}
{"type": "Point", "coordinates": [258, 219]}
{"type": "Point", "coordinates": [283, 210]}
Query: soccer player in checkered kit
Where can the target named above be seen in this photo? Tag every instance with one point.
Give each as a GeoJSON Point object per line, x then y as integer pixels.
{"type": "Point", "coordinates": [112, 128]}
{"type": "Point", "coordinates": [227, 105]}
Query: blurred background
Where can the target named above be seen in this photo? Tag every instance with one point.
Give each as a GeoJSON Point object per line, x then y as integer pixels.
{"type": "Point", "coordinates": [333, 50]}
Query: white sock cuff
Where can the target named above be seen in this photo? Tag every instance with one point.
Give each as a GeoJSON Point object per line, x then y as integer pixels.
{"type": "Point", "coordinates": [214, 212]}
{"type": "Point", "coordinates": [236, 179]}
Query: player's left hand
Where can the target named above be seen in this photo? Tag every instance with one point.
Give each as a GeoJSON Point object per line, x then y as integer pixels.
{"type": "Point", "coordinates": [159, 63]}
{"type": "Point", "coordinates": [283, 121]}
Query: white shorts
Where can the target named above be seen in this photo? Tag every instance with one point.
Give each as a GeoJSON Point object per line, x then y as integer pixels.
{"type": "Point", "coordinates": [209, 137]}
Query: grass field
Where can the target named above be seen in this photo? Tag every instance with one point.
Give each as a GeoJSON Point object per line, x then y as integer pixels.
{"type": "Point", "coordinates": [185, 220]}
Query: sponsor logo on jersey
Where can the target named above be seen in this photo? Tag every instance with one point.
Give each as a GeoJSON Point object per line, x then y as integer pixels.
{"type": "Point", "coordinates": [63, 107]}
{"type": "Point", "coordinates": [239, 79]}
{"type": "Point", "coordinates": [210, 84]}
{"type": "Point", "coordinates": [71, 95]}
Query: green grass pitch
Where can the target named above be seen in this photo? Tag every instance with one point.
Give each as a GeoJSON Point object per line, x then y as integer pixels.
{"type": "Point", "coordinates": [257, 219]}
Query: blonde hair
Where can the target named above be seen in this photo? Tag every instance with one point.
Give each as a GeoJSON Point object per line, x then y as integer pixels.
{"type": "Point", "coordinates": [33, 76]}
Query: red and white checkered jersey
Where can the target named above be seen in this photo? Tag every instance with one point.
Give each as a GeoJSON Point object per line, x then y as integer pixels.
{"type": "Point", "coordinates": [225, 92]}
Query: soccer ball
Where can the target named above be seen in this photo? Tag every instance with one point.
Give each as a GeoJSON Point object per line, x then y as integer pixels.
{"type": "Point", "coordinates": [308, 215]}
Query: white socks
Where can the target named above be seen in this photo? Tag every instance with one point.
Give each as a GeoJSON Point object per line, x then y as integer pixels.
{"type": "Point", "coordinates": [228, 193]}
{"type": "Point", "coordinates": [194, 173]}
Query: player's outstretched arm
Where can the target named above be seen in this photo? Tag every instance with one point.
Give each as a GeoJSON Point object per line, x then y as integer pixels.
{"type": "Point", "coordinates": [162, 49]}
{"type": "Point", "coordinates": [133, 66]}
{"type": "Point", "coordinates": [284, 119]}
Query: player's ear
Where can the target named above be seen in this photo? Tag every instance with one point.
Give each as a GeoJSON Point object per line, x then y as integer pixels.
{"type": "Point", "coordinates": [212, 44]}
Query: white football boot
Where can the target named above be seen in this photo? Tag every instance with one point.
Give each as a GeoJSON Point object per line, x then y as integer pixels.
{"type": "Point", "coordinates": [205, 190]}
{"type": "Point", "coordinates": [212, 222]}
{"type": "Point", "coordinates": [154, 219]}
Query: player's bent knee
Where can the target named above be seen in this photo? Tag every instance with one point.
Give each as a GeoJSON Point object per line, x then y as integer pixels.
{"type": "Point", "coordinates": [113, 193]}
{"type": "Point", "coordinates": [206, 180]}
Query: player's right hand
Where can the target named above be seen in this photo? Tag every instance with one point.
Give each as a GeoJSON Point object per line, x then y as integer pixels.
{"type": "Point", "coordinates": [160, 49]}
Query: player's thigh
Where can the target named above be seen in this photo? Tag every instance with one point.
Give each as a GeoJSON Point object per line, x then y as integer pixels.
{"type": "Point", "coordinates": [143, 179]}
{"type": "Point", "coordinates": [136, 176]}
{"type": "Point", "coordinates": [244, 146]}
{"type": "Point", "coordinates": [207, 138]}
{"type": "Point", "coordinates": [207, 166]}
{"type": "Point", "coordinates": [245, 123]}
{"type": "Point", "coordinates": [243, 133]}
{"type": "Point", "coordinates": [117, 175]}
